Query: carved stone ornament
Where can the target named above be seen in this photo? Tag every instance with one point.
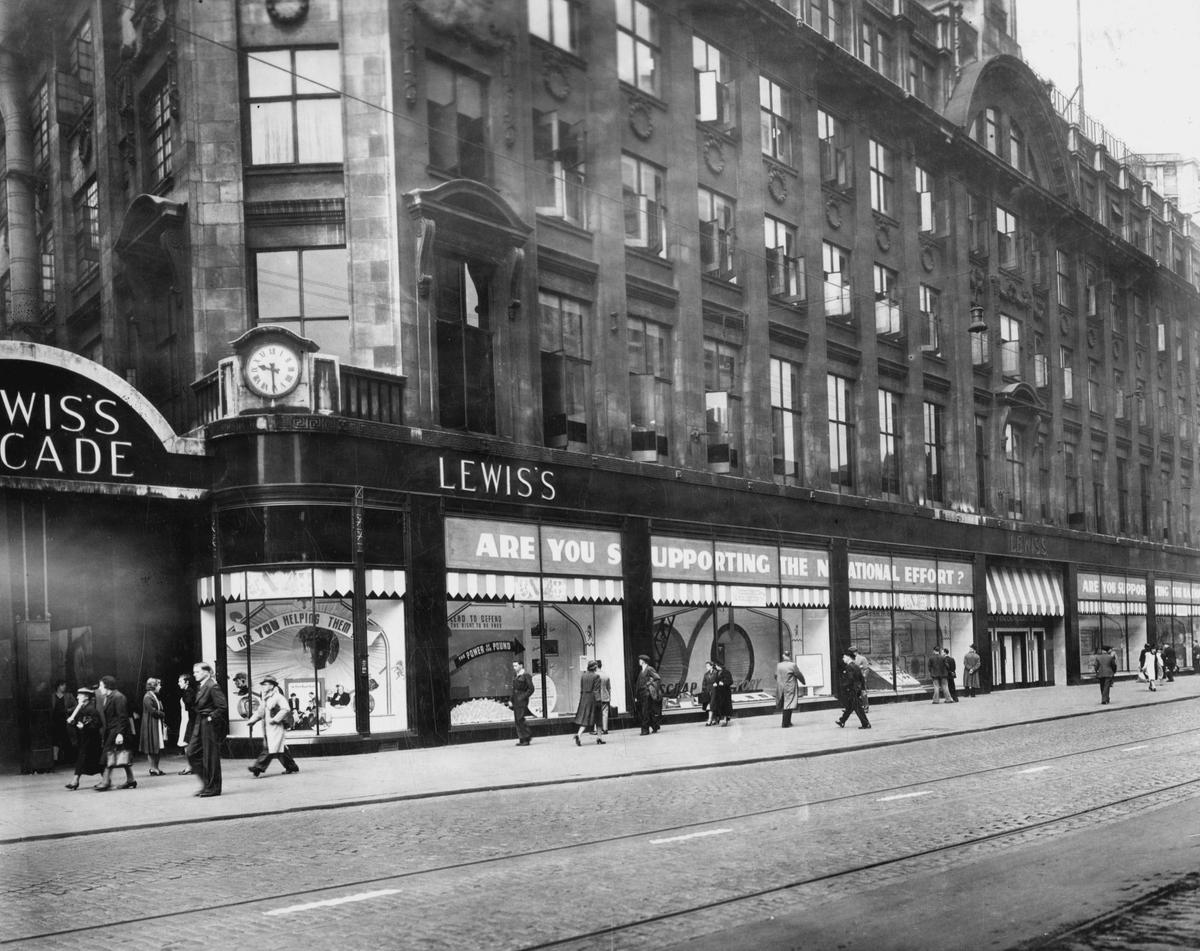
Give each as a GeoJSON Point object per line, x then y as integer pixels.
{"type": "Point", "coordinates": [1140, 359]}
{"type": "Point", "coordinates": [640, 119]}
{"type": "Point", "coordinates": [554, 76]}
{"type": "Point", "coordinates": [714, 155]}
{"type": "Point", "coordinates": [777, 186]}
{"type": "Point", "coordinates": [1066, 325]}
{"type": "Point", "coordinates": [1160, 370]}
{"type": "Point", "coordinates": [833, 213]}
{"type": "Point", "coordinates": [1116, 349]}
{"type": "Point", "coordinates": [287, 12]}
{"type": "Point", "coordinates": [1180, 378]}
{"type": "Point", "coordinates": [84, 144]}
{"type": "Point", "coordinates": [1092, 338]}
{"type": "Point", "coordinates": [928, 259]}
{"type": "Point", "coordinates": [883, 237]}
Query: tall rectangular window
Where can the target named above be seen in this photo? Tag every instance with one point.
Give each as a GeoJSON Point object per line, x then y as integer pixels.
{"type": "Point", "coordinates": [785, 271]}
{"type": "Point", "coordinates": [87, 229]}
{"type": "Point", "coordinates": [40, 112]}
{"type": "Point", "coordinates": [462, 305]}
{"type": "Point", "coordinates": [924, 186]}
{"type": "Point", "coordinates": [876, 49]}
{"type": "Point", "coordinates": [887, 301]}
{"type": "Point", "coordinates": [712, 75]}
{"type": "Point", "coordinates": [83, 55]}
{"type": "Point", "coordinates": [294, 105]}
{"type": "Point", "coordinates": [306, 290]}
{"type": "Point", "coordinates": [982, 458]}
{"type": "Point", "coordinates": [638, 45]}
{"type": "Point", "coordinates": [1144, 497]}
{"type": "Point", "coordinates": [1099, 501]}
{"type": "Point", "coordinates": [1095, 398]}
{"type": "Point", "coordinates": [921, 80]}
{"type": "Point", "coordinates": [722, 405]}
{"type": "Point", "coordinates": [977, 224]}
{"type": "Point", "coordinates": [565, 370]}
{"type": "Point", "coordinates": [1014, 458]}
{"type": "Point", "coordinates": [1006, 238]}
{"type": "Point", "coordinates": [831, 19]}
{"type": "Point", "coordinates": [644, 187]}
{"type": "Point", "coordinates": [156, 120]}
{"type": "Point", "coordinates": [883, 175]}
{"type": "Point", "coordinates": [835, 266]}
{"type": "Point", "coordinates": [650, 388]}
{"type": "Point", "coordinates": [931, 319]}
{"type": "Point", "coordinates": [1066, 362]}
{"type": "Point", "coordinates": [786, 434]}
{"type": "Point", "coordinates": [1074, 490]}
{"type": "Point", "coordinates": [1010, 347]}
{"type": "Point", "coordinates": [837, 167]}
{"type": "Point", "coordinates": [840, 393]}
{"type": "Point", "coordinates": [1016, 146]}
{"type": "Point", "coordinates": [46, 268]}
{"type": "Point", "coordinates": [935, 452]}
{"type": "Point", "coordinates": [1123, 526]}
{"type": "Point", "coordinates": [774, 120]}
{"type": "Point", "coordinates": [891, 440]}
{"type": "Point", "coordinates": [1064, 280]}
{"type": "Point", "coordinates": [456, 112]}
{"type": "Point", "coordinates": [558, 153]}
{"type": "Point", "coordinates": [556, 22]}
{"type": "Point", "coordinates": [987, 130]}
{"type": "Point", "coordinates": [718, 242]}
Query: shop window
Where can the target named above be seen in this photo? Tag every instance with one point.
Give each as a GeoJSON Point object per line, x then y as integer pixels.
{"type": "Point", "coordinates": [842, 468]}
{"type": "Point", "coordinates": [649, 389]}
{"type": "Point", "coordinates": [716, 90]}
{"type": "Point", "coordinates": [835, 265]}
{"type": "Point", "coordinates": [285, 533]}
{"type": "Point", "coordinates": [837, 167]}
{"type": "Point", "coordinates": [722, 405]}
{"type": "Point", "coordinates": [774, 116]}
{"type": "Point", "coordinates": [462, 307]}
{"type": "Point", "coordinates": [308, 291]}
{"type": "Point", "coordinates": [456, 106]}
{"type": "Point", "coordinates": [718, 236]}
{"type": "Point", "coordinates": [643, 188]}
{"type": "Point", "coordinates": [559, 150]}
{"type": "Point", "coordinates": [891, 443]}
{"type": "Point", "coordinates": [638, 45]}
{"type": "Point", "coordinates": [157, 125]}
{"type": "Point", "coordinates": [935, 452]}
{"type": "Point", "coordinates": [887, 302]}
{"type": "Point", "coordinates": [786, 432]}
{"type": "Point", "coordinates": [87, 229]}
{"type": "Point", "coordinates": [556, 22]}
{"type": "Point", "coordinates": [294, 106]}
{"type": "Point", "coordinates": [565, 371]}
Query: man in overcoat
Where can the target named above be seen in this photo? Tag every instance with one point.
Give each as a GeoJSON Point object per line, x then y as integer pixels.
{"type": "Point", "coordinates": [1105, 666]}
{"type": "Point", "coordinates": [854, 686]}
{"type": "Point", "coordinates": [647, 692]}
{"type": "Point", "coordinates": [788, 681]}
{"type": "Point", "coordinates": [212, 726]}
{"type": "Point", "coordinates": [522, 690]}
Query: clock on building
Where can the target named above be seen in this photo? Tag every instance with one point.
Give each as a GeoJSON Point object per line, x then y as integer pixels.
{"type": "Point", "coordinates": [272, 369]}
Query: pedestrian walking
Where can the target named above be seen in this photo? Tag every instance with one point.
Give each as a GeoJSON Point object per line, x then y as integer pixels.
{"type": "Point", "coordinates": [854, 685]}
{"type": "Point", "coordinates": [585, 712]}
{"type": "Point", "coordinates": [603, 697]}
{"type": "Point", "coordinates": [276, 715]}
{"type": "Point", "coordinates": [706, 684]}
{"type": "Point", "coordinates": [1169, 661]}
{"type": "Point", "coordinates": [62, 703]}
{"type": "Point", "coordinates": [85, 721]}
{"type": "Point", "coordinates": [971, 664]}
{"type": "Point", "coordinates": [115, 734]}
{"type": "Point", "coordinates": [788, 681]}
{"type": "Point", "coordinates": [722, 694]}
{"type": "Point", "coordinates": [647, 694]}
{"type": "Point", "coordinates": [1147, 666]}
{"type": "Point", "coordinates": [187, 702]}
{"type": "Point", "coordinates": [211, 713]}
{"type": "Point", "coordinates": [951, 670]}
{"type": "Point", "coordinates": [522, 690]}
{"type": "Point", "coordinates": [154, 727]}
{"type": "Point", "coordinates": [937, 673]}
{"type": "Point", "coordinates": [1105, 666]}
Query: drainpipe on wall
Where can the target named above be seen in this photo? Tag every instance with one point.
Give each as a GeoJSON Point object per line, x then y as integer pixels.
{"type": "Point", "coordinates": [18, 179]}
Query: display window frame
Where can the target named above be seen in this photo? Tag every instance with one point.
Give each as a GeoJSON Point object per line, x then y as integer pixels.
{"type": "Point", "coordinates": [1111, 609]}
{"type": "Point", "coordinates": [1177, 608]}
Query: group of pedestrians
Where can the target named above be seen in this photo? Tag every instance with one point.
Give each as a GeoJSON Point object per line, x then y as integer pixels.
{"type": "Point", "coordinates": [1156, 665]}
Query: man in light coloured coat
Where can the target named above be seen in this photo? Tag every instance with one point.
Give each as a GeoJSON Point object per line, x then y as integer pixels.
{"type": "Point", "coordinates": [788, 681]}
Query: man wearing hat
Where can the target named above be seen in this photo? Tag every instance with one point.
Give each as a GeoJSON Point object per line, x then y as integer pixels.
{"type": "Point", "coordinates": [647, 694]}
{"type": "Point", "coordinates": [212, 726]}
{"type": "Point", "coordinates": [274, 711]}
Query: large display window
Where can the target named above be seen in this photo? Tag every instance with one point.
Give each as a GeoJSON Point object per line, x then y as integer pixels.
{"type": "Point", "coordinates": [1112, 613]}
{"type": "Point", "coordinates": [297, 625]}
{"type": "Point", "coordinates": [902, 609]}
{"type": "Point", "coordinates": [548, 596]}
{"type": "Point", "coordinates": [1177, 618]}
{"type": "Point", "coordinates": [743, 605]}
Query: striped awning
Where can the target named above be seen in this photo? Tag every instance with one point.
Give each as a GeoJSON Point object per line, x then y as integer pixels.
{"type": "Point", "coordinates": [583, 590]}
{"type": "Point", "coordinates": [683, 592]}
{"type": "Point", "coordinates": [299, 583]}
{"type": "Point", "coordinates": [871, 600]}
{"type": "Point", "coordinates": [385, 583]}
{"type": "Point", "coordinates": [955, 602]}
{"type": "Point", "coordinates": [1112, 607]}
{"type": "Point", "coordinates": [804, 597]}
{"type": "Point", "coordinates": [482, 586]}
{"type": "Point", "coordinates": [1035, 591]}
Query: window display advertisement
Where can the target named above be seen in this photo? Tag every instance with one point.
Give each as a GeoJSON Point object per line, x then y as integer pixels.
{"type": "Point", "coordinates": [741, 605]}
{"type": "Point", "coordinates": [1112, 613]}
{"type": "Point", "coordinates": [307, 645]}
{"type": "Point", "coordinates": [562, 610]}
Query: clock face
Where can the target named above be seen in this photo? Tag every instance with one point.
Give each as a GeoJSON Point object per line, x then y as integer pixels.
{"type": "Point", "coordinates": [272, 369]}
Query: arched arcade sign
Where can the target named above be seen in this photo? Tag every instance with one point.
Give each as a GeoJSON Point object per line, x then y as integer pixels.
{"type": "Point", "coordinates": [68, 423]}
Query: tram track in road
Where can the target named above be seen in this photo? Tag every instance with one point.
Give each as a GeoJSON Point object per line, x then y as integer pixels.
{"type": "Point", "coordinates": [367, 888]}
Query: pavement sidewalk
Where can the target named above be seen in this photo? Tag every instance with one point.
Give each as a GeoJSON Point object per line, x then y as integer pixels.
{"type": "Point", "coordinates": [38, 807]}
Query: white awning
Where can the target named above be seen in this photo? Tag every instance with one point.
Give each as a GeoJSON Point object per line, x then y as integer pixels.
{"type": "Point", "coordinates": [683, 592]}
{"type": "Point", "coordinates": [871, 600]}
{"type": "Point", "coordinates": [482, 586]}
{"type": "Point", "coordinates": [1035, 591]}
{"type": "Point", "coordinates": [804, 597]}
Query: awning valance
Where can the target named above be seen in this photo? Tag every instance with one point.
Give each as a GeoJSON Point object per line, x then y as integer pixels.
{"type": "Point", "coordinates": [1035, 591]}
{"type": "Point", "coordinates": [871, 600]}
{"type": "Point", "coordinates": [804, 597]}
{"type": "Point", "coordinates": [484, 586]}
{"type": "Point", "coordinates": [683, 592]}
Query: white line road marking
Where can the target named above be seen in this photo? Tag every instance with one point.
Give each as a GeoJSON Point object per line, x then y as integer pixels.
{"type": "Point", "coordinates": [693, 835]}
{"type": "Point", "coordinates": [330, 902]}
{"type": "Point", "coordinates": [1033, 769]}
{"type": "Point", "coordinates": [907, 795]}
{"type": "Point", "coordinates": [1130, 749]}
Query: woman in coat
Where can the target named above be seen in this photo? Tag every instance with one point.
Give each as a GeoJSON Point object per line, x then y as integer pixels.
{"type": "Point", "coordinates": [585, 713]}
{"type": "Point", "coordinates": [722, 695]}
{"type": "Point", "coordinates": [274, 710]}
{"type": "Point", "coordinates": [706, 684]}
{"type": "Point", "coordinates": [187, 700]}
{"type": "Point", "coordinates": [85, 722]}
{"type": "Point", "coordinates": [153, 720]}
{"type": "Point", "coordinates": [116, 733]}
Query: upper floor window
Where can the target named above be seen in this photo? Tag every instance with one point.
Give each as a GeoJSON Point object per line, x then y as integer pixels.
{"type": "Point", "coordinates": [718, 244]}
{"type": "Point", "coordinates": [558, 150]}
{"type": "Point", "coordinates": [715, 99]}
{"type": "Point", "coordinates": [83, 55]}
{"type": "Point", "coordinates": [650, 389]}
{"type": "Point", "coordinates": [465, 368]}
{"type": "Point", "coordinates": [786, 434]}
{"type": "Point", "coordinates": [924, 186]}
{"type": "Point", "coordinates": [564, 370]}
{"type": "Point", "coordinates": [1006, 238]}
{"type": "Point", "coordinates": [638, 45]}
{"type": "Point", "coordinates": [643, 187]}
{"type": "Point", "coordinates": [722, 412]}
{"type": "Point", "coordinates": [456, 103]}
{"type": "Point", "coordinates": [835, 266]}
{"type": "Point", "coordinates": [47, 282]}
{"type": "Point", "coordinates": [891, 438]}
{"type": "Point", "coordinates": [840, 393]}
{"type": "Point", "coordinates": [921, 80]}
{"type": "Point", "coordinates": [295, 106]}
{"type": "Point", "coordinates": [1014, 458]}
{"type": "Point", "coordinates": [887, 301]}
{"type": "Point", "coordinates": [1066, 362]}
{"type": "Point", "coordinates": [977, 223]}
{"type": "Point", "coordinates": [87, 229]}
{"type": "Point", "coordinates": [1065, 280]}
{"type": "Point", "coordinates": [774, 105]}
{"type": "Point", "coordinates": [831, 19]}
{"type": "Point", "coordinates": [836, 163]}
{"type": "Point", "coordinates": [882, 177]}
{"type": "Point", "coordinates": [785, 271]}
{"type": "Point", "coordinates": [555, 21]}
{"type": "Point", "coordinates": [935, 452]}
{"type": "Point", "coordinates": [931, 319]}
{"type": "Point", "coordinates": [1016, 146]}
{"type": "Point", "coordinates": [876, 49]}
{"type": "Point", "coordinates": [306, 290]}
{"type": "Point", "coordinates": [1010, 346]}
{"type": "Point", "coordinates": [40, 111]}
{"type": "Point", "coordinates": [987, 130]}
{"type": "Point", "coordinates": [156, 120]}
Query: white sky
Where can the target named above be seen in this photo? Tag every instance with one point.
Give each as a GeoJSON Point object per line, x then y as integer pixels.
{"type": "Point", "coordinates": [1141, 64]}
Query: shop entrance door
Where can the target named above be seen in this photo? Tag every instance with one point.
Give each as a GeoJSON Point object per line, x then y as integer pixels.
{"type": "Point", "coordinates": [1019, 656]}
